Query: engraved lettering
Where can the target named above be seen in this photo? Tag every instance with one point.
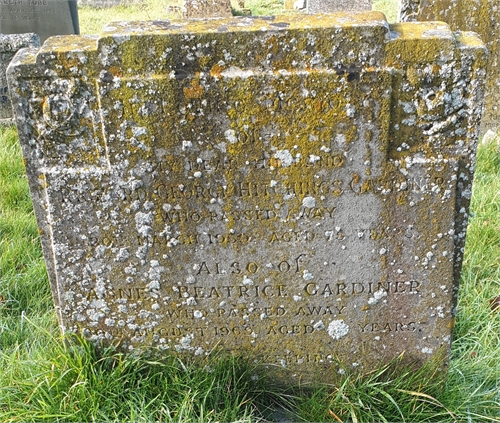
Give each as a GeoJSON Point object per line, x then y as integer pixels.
{"type": "Point", "coordinates": [203, 269]}
{"type": "Point", "coordinates": [356, 288]}
{"type": "Point", "coordinates": [319, 310]}
{"type": "Point", "coordinates": [289, 329]}
{"type": "Point", "coordinates": [235, 268]}
{"type": "Point", "coordinates": [284, 266]}
{"type": "Point", "coordinates": [388, 327]}
{"type": "Point", "coordinates": [131, 293]}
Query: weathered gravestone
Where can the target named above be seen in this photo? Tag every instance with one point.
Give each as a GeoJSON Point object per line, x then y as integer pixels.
{"type": "Point", "coordinates": [43, 17]}
{"type": "Point", "coordinates": [206, 8]}
{"type": "Point", "coordinates": [104, 4]}
{"type": "Point", "coordinates": [481, 16]}
{"type": "Point", "coordinates": [328, 6]}
{"type": "Point", "coordinates": [9, 45]}
{"type": "Point", "coordinates": [408, 10]}
{"type": "Point", "coordinates": [293, 188]}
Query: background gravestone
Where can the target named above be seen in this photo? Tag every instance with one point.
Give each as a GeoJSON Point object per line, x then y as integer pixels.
{"type": "Point", "coordinates": [206, 8]}
{"type": "Point", "coordinates": [408, 10]}
{"type": "Point", "coordinates": [327, 6]}
{"type": "Point", "coordinates": [292, 188]}
{"type": "Point", "coordinates": [481, 16]}
{"type": "Point", "coordinates": [9, 45]}
{"type": "Point", "coordinates": [43, 17]}
{"type": "Point", "coordinates": [103, 4]}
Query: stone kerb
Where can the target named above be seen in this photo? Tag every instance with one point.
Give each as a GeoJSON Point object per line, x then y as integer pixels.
{"type": "Point", "coordinates": [480, 16]}
{"type": "Point", "coordinates": [294, 188]}
{"type": "Point", "coordinates": [9, 45]}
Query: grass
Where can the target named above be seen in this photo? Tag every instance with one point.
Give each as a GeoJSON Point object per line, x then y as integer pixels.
{"type": "Point", "coordinates": [93, 20]}
{"type": "Point", "coordinates": [44, 378]}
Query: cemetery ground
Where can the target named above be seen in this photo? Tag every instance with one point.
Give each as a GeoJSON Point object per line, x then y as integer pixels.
{"type": "Point", "coordinates": [46, 378]}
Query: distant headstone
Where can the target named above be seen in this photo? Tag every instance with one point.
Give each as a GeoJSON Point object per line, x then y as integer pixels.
{"type": "Point", "coordinates": [9, 45]}
{"type": "Point", "coordinates": [173, 9]}
{"type": "Point", "coordinates": [43, 17]}
{"type": "Point", "coordinates": [104, 4]}
{"type": "Point", "coordinates": [408, 10]}
{"type": "Point", "coordinates": [328, 6]}
{"type": "Point", "coordinates": [483, 17]}
{"type": "Point", "coordinates": [206, 8]}
{"type": "Point", "coordinates": [291, 188]}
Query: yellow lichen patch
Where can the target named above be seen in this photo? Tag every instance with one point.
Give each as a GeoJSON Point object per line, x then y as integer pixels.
{"type": "Point", "coordinates": [274, 162]}
{"type": "Point", "coordinates": [419, 43]}
{"type": "Point", "coordinates": [194, 91]}
{"type": "Point", "coordinates": [216, 70]}
{"type": "Point", "coordinates": [42, 181]}
{"type": "Point", "coordinates": [115, 71]}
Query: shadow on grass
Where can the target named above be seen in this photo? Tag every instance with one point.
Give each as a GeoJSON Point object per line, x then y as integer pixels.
{"type": "Point", "coordinates": [75, 381]}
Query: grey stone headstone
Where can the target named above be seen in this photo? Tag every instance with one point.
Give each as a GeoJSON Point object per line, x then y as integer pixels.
{"type": "Point", "coordinates": [42, 17]}
{"type": "Point", "coordinates": [408, 10]}
{"type": "Point", "coordinates": [328, 6]}
{"type": "Point", "coordinates": [104, 4]}
{"type": "Point", "coordinates": [9, 45]}
{"type": "Point", "coordinates": [294, 188]}
{"type": "Point", "coordinates": [206, 8]}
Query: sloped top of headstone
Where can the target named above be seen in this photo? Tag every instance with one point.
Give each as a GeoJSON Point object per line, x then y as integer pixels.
{"type": "Point", "coordinates": [13, 42]}
{"type": "Point", "coordinates": [9, 45]}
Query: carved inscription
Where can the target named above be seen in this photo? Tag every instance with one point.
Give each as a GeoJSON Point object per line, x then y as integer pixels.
{"type": "Point", "coordinates": [26, 10]}
{"type": "Point", "coordinates": [321, 270]}
{"type": "Point", "coordinates": [306, 262]}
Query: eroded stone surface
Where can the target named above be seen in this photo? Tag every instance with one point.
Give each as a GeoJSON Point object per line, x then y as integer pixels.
{"type": "Point", "coordinates": [43, 17]}
{"type": "Point", "coordinates": [481, 16]}
{"type": "Point", "coordinates": [408, 10]}
{"type": "Point", "coordinates": [293, 188]}
{"type": "Point", "coordinates": [206, 8]}
{"type": "Point", "coordinates": [9, 45]}
{"type": "Point", "coordinates": [328, 6]}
